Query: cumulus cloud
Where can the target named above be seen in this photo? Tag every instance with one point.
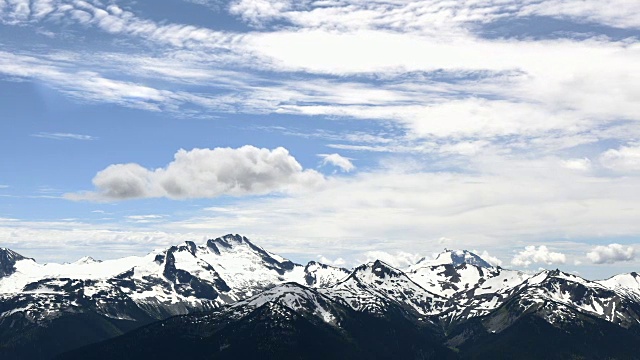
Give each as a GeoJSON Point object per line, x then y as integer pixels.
{"type": "Point", "coordinates": [399, 259]}
{"type": "Point", "coordinates": [488, 258]}
{"type": "Point", "coordinates": [624, 159]}
{"type": "Point", "coordinates": [538, 255]}
{"type": "Point", "coordinates": [205, 173]}
{"type": "Point", "coordinates": [611, 253]}
{"type": "Point", "coordinates": [337, 160]}
{"type": "Point", "coordinates": [340, 262]}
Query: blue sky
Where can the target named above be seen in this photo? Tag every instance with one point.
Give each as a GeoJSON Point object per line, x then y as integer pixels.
{"type": "Point", "coordinates": [341, 131]}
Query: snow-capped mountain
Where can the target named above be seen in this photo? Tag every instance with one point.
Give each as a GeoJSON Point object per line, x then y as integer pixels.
{"type": "Point", "coordinates": [303, 300]}
{"type": "Point", "coordinates": [455, 272]}
{"type": "Point", "coordinates": [627, 285]}
{"type": "Point", "coordinates": [8, 260]}
{"type": "Point", "coordinates": [456, 297]}
{"type": "Point", "coordinates": [165, 282]}
{"type": "Point", "coordinates": [372, 287]}
{"type": "Point", "coordinates": [128, 292]}
{"type": "Point", "coordinates": [452, 257]}
{"type": "Point", "coordinates": [559, 296]}
{"type": "Point", "coordinates": [289, 321]}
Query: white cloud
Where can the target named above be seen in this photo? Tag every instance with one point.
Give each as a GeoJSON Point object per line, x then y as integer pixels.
{"type": "Point", "coordinates": [534, 87]}
{"type": "Point", "coordinates": [624, 159]}
{"type": "Point", "coordinates": [444, 240]}
{"type": "Point", "coordinates": [583, 164]}
{"type": "Point", "coordinates": [114, 20]}
{"type": "Point", "coordinates": [616, 13]}
{"type": "Point", "coordinates": [145, 219]}
{"type": "Point", "coordinates": [398, 259]}
{"type": "Point", "coordinates": [506, 202]}
{"type": "Point", "coordinates": [487, 97]}
{"type": "Point", "coordinates": [64, 136]}
{"type": "Point", "coordinates": [466, 148]}
{"type": "Point", "coordinates": [527, 88]}
{"type": "Point", "coordinates": [205, 173]}
{"type": "Point", "coordinates": [432, 15]}
{"type": "Point", "coordinates": [488, 258]}
{"type": "Point", "coordinates": [68, 240]}
{"type": "Point", "coordinates": [342, 162]}
{"type": "Point", "coordinates": [611, 253]}
{"type": "Point", "coordinates": [540, 255]}
{"type": "Point", "coordinates": [257, 10]}
{"type": "Point", "coordinates": [339, 262]}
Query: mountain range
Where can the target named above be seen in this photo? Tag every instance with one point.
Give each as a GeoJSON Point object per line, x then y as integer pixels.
{"type": "Point", "coordinates": [229, 298]}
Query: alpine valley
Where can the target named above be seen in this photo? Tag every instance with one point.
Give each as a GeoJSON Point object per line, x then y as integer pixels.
{"type": "Point", "coordinates": [231, 299]}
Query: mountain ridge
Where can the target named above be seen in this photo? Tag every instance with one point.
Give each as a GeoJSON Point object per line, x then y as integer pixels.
{"type": "Point", "coordinates": [457, 298]}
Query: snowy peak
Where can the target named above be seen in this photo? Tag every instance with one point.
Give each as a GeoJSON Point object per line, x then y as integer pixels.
{"type": "Point", "coordinates": [232, 243]}
{"type": "Point", "coordinates": [8, 259]}
{"type": "Point", "coordinates": [627, 285]}
{"type": "Point", "coordinates": [452, 272]}
{"type": "Point", "coordinates": [373, 287]}
{"type": "Point", "coordinates": [458, 257]}
{"type": "Point", "coordinates": [560, 297]}
{"type": "Point", "coordinates": [86, 260]}
{"type": "Point", "coordinates": [229, 241]}
{"type": "Point", "coordinates": [294, 296]}
{"type": "Point", "coordinates": [8, 254]}
{"type": "Point", "coordinates": [322, 275]}
{"type": "Point", "coordinates": [377, 269]}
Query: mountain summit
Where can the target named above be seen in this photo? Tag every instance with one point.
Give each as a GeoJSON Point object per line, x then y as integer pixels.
{"type": "Point", "coordinates": [8, 260]}
{"type": "Point", "coordinates": [455, 258]}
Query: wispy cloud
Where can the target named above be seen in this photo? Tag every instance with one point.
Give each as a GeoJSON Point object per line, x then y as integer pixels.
{"type": "Point", "coordinates": [145, 219]}
{"type": "Point", "coordinates": [533, 88]}
{"type": "Point", "coordinates": [64, 136]}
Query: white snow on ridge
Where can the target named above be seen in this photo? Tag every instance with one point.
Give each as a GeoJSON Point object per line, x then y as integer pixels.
{"type": "Point", "coordinates": [451, 257]}
{"type": "Point", "coordinates": [293, 296]}
{"type": "Point", "coordinates": [625, 284]}
{"type": "Point", "coordinates": [28, 271]}
{"type": "Point", "coordinates": [456, 284]}
{"type": "Point", "coordinates": [371, 286]}
{"type": "Point", "coordinates": [505, 279]}
{"type": "Point", "coordinates": [242, 268]}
